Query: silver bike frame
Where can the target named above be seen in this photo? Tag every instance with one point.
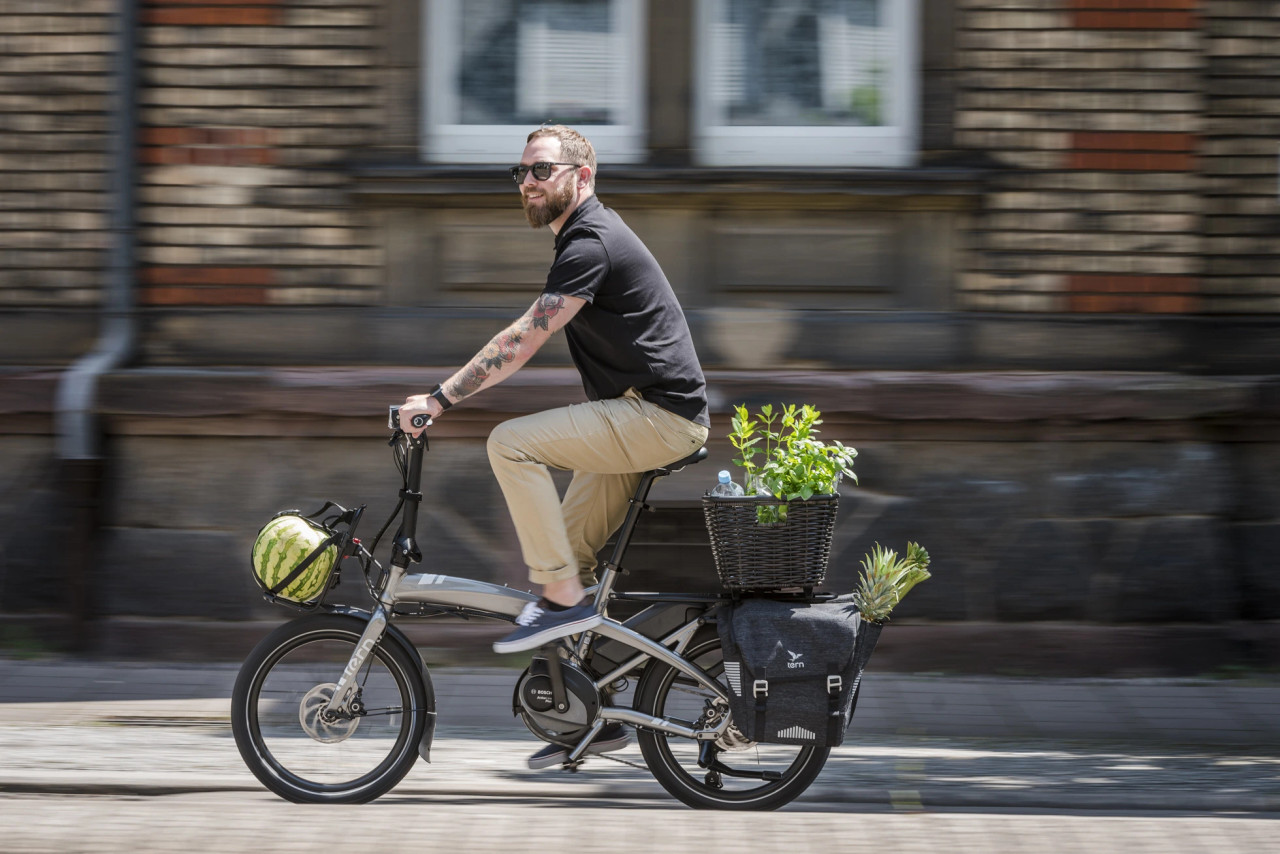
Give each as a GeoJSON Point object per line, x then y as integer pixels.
{"type": "Point", "coordinates": [470, 597]}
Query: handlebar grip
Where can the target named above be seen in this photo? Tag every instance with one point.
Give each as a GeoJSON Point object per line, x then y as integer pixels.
{"type": "Point", "coordinates": [393, 419]}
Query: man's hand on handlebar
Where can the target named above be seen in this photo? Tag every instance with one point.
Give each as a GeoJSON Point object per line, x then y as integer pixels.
{"type": "Point", "coordinates": [424, 407]}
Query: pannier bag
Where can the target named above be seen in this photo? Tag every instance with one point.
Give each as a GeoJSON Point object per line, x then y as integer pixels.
{"type": "Point", "coordinates": [794, 669]}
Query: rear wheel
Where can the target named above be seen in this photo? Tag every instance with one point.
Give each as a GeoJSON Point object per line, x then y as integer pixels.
{"type": "Point", "coordinates": [307, 756]}
{"type": "Point", "coordinates": [780, 772]}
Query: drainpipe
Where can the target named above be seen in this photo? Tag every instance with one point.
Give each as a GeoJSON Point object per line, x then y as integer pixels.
{"type": "Point", "coordinates": [79, 443]}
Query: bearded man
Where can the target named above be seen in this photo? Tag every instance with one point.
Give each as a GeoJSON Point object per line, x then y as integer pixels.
{"type": "Point", "coordinates": [646, 401]}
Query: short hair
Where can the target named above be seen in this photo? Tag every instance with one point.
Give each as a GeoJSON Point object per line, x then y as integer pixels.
{"type": "Point", "coordinates": [574, 147]}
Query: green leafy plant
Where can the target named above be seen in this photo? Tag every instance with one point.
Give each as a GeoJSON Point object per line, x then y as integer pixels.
{"type": "Point", "coordinates": [794, 464]}
{"type": "Point", "coordinates": [886, 578]}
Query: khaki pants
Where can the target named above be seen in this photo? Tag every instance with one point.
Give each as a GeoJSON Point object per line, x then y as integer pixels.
{"type": "Point", "coordinates": [606, 444]}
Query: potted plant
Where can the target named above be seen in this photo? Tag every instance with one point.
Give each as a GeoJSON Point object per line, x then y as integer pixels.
{"type": "Point", "coordinates": [796, 465]}
{"type": "Point", "coordinates": [778, 535]}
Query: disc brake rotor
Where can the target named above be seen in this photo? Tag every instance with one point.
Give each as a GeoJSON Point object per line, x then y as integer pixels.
{"type": "Point", "coordinates": [328, 730]}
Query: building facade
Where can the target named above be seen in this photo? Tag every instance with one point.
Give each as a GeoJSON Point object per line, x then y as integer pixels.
{"type": "Point", "coordinates": [1022, 254]}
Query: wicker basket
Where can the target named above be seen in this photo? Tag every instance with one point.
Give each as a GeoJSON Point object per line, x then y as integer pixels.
{"type": "Point", "coordinates": [751, 556]}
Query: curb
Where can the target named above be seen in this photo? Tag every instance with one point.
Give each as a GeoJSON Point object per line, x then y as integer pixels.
{"type": "Point", "coordinates": [904, 800]}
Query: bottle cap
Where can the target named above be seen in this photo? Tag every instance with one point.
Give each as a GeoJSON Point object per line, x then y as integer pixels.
{"type": "Point", "coordinates": [724, 477]}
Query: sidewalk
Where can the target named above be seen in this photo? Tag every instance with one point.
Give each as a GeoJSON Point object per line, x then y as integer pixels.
{"type": "Point", "coordinates": [86, 726]}
{"type": "Point", "coordinates": [1138, 711]}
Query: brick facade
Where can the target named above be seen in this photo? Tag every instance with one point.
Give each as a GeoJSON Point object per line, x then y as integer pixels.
{"type": "Point", "coordinates": [54, 61]}
{"type": "Point", "coordinates": [249, 110]}
{"type": "Point", "coordinates": [1134, 145]}
{"type": "Point", "coordinates": [1241, 157]}
{"type": "Point", "coordinates": [1094, 111]}
{"type": "Point", "coordinates": [1026, 337]}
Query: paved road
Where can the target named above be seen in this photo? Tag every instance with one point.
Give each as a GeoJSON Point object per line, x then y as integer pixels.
{"type": "Point", "coordinates": [133, 758]}
{"type": "Point", "coordinates": [462, 824]}
{"type": "Point", "coordinates": [897, 772]}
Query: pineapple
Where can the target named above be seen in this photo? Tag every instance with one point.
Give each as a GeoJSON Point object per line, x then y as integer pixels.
{"type": "Point", "coordinates": [886, 579]}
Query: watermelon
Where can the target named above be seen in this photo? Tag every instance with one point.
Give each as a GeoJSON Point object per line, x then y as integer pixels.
{"type": "Point", "coordinates": [284, 543]}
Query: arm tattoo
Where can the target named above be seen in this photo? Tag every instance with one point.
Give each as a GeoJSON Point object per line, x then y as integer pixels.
{"type": "Point", "coordinates": [469, 383]}
{"type": "Point", "coordinates": [502, 350]}
{"type": "Point", "coordinates": [547, 307]}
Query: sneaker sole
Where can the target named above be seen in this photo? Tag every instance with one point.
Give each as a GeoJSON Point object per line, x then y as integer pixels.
{"type": "Point", "coordinates": [547, 635]}
{"type": "Point", "coordinates": [595, 747]}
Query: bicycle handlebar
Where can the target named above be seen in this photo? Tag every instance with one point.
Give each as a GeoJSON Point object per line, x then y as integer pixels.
{"type": "Point", "coordinates": [393, 419]}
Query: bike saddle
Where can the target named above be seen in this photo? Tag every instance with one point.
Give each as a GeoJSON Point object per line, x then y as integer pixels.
{"type": "Point", "coordinates": [696, 457]}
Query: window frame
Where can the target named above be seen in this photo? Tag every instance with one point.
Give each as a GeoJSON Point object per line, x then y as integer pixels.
{"type": "Point", "coordinates": [893, 145]}
{"type": "Point", "coordinates": [445, 140]}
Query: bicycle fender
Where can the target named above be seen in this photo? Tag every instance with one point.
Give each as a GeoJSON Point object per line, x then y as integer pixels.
{"type": "Point", "coordinates": [397, 636]}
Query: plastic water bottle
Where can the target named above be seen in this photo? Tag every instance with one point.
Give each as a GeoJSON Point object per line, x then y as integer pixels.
{"type": "Point", "coordinates": [726, 486]}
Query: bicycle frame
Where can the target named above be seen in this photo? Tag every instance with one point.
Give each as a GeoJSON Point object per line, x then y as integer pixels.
{"type": "Point", "coordinates": [445, 594]}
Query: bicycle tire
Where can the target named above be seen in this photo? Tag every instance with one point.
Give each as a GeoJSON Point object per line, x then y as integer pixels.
{"type": "Point", "coordinates": [679, 774]}
{"type": "Point", "coordinates": [277, 693]}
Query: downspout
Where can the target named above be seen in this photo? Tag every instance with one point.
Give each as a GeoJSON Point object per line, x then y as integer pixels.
{"type": "Point", "coordinates": [79, 444]}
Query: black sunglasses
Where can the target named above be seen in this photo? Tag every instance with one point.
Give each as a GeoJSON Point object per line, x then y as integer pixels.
{"type": "Point", "coordinates": [541, 170]}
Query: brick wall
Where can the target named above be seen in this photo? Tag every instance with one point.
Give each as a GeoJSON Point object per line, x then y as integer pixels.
{"type": "Point", "coordinates": [1096, 111]}
{"type": "Point", "coordinates": [1241, 157]}
{"type": "Point", "coordinates": [248, 110]}
{"type": "Point", "coordinates": [54, 84]}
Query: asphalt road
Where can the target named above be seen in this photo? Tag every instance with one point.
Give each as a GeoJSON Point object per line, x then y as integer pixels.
{"type": "Point", "coordinates": [100, 757]}
{"type": "Point", "coordinates": [459, 824]}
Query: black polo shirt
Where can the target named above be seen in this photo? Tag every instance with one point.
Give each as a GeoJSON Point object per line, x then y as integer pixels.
{"type": "Point", "coordinates": [632, 331]}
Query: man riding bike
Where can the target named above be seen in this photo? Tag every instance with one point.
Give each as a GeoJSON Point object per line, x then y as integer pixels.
{"type": "Point", "coordinates": [646, 395]}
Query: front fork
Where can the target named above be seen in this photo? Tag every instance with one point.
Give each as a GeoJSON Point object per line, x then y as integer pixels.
{"type": "Point", "coordinates": [339, 703]}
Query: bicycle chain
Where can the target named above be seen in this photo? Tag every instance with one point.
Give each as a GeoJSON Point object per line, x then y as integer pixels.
{"type": "Point", "coordinates": [623, 761]}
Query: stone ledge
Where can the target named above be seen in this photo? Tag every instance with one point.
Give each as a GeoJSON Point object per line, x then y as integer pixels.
{"type": "Point", "coordinates": [323, 401]}
{"type": "Point", "coordinates": [887, 395]}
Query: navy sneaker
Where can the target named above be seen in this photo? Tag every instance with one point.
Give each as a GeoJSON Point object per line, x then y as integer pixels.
{"type": "Point", "coordinates": [613, 736]}
{"type": "Point", "coordinates": [538, 625]}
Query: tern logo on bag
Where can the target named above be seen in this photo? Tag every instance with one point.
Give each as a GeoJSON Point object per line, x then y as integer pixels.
{"type": "Point", "coordinates": [795, 659]}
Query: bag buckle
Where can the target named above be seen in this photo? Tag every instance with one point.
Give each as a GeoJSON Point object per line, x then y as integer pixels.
{"type": "Point", "coordinates": [834, 684]}
{"type": "Point", "coordinates": [760, 688]}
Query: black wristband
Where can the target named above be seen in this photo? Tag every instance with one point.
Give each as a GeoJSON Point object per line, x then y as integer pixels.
{"type": "Point", "coordinates": [438, 394]}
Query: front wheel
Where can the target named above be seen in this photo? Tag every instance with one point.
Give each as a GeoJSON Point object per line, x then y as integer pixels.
{"type": "Point", "coordinates": [772, 774]}
{"type": "Point", "coordinates": [305, 756]}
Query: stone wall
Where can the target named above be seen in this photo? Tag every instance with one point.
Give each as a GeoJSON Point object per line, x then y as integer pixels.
{"type": "Point", "coordinates": [1095, 498]}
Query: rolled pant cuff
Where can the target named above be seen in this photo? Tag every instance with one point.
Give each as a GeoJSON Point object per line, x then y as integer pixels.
{"type": "Point", "coordinates": [546, 576]}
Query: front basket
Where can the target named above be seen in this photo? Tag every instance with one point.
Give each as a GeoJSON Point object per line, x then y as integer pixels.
{"type": "Point", "coordinates": [752, 556]}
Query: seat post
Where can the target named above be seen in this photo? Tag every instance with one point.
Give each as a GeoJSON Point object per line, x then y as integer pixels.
{"type": "Point", "coordinates": [612, 566]}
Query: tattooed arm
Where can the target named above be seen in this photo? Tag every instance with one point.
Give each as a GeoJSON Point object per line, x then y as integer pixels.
{"type": "Point", "coordinates": [505, 354]}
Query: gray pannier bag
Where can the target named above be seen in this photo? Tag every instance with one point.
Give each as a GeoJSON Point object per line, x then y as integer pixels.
{"type": "Point", "coordinates": [794, 669]}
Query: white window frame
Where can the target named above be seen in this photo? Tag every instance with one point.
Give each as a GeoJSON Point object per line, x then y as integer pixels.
{"type": "Point", "coordinates": [893, 145]}
{"type": "Point", "coordinates": [445, 140]}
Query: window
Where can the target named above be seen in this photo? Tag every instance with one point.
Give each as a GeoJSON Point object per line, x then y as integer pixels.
{"type": "Point", "coordinates": [806, 82]}
{"type": "Point", "coordinates": [496, 69]}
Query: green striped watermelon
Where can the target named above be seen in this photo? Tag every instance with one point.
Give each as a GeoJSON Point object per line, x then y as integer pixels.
{"type": "Point", "coordinates": [284, 543]}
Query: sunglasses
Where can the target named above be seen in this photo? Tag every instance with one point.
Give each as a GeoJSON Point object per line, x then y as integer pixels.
{"type": "Point", "coordinates": [541, 170]}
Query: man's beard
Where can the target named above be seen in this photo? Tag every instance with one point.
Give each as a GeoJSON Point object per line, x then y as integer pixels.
{"type": "Point", "coordinates": [554, 203]}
